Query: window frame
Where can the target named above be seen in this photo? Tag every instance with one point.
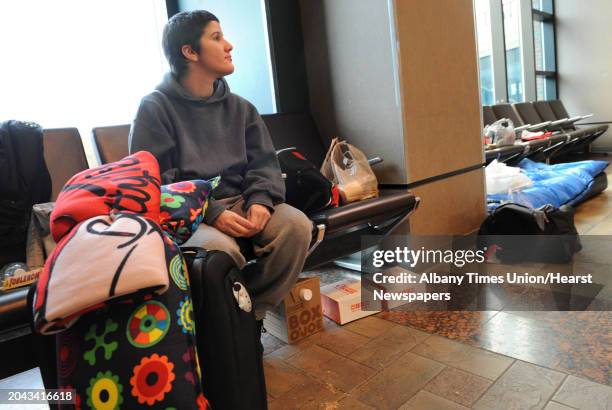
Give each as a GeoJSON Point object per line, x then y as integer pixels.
{"type": "Point", "coordinates": [529, 16]}
{"type": "Point", "coordinates": [545, 17]}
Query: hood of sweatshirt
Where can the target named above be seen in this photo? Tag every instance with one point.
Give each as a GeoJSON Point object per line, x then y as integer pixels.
{"type": "Point", "coordinates": [172, 87]}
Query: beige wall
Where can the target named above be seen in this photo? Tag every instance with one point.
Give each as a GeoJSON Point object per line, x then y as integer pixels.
{"type": "Point", "coordinates": [351, 64]}
{"type": "Point", "coordinates": [452, 206]}
{"type": "Point", "coordinates": [584, 57]}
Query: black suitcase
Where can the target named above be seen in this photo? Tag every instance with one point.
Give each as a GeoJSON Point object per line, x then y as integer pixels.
{"type": "Point", "coordinates": [229, 349]}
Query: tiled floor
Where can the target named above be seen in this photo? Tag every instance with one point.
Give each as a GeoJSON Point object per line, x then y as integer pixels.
{"type": "Point", "coordinates": [456, 360]}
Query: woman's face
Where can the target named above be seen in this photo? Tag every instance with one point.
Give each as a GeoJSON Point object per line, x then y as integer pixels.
{"type": "Point", "coordinates": [215, 51]}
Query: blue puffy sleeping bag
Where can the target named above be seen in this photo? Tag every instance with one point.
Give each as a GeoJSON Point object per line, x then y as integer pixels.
{"type": "Point", "coordinates": [557, 184]}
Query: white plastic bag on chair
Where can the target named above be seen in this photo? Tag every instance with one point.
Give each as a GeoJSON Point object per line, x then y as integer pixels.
{"type": "Point", "coordinates": [501, 132]}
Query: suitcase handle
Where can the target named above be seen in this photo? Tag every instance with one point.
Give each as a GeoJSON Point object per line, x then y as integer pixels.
{"type": "Point", "coordinates": [193, 251]}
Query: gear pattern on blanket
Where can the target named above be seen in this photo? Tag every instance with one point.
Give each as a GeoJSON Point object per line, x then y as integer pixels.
{"type": "Point", "coordinates": [178, 271]}
{"type": "Point", "coordinates": [156, 368]}
{"type": "Point", "coordinates": [104, 391]}
{"type": "Point", "coordinates": [68, 354]}
{"type": "Point", "coordinates": [188, 357]}
{"type": "Point", "coordinates": [185, 315]}
{"type": "Point", "coordinates": [148, 324]}
{"type": "Point", "coordinates": [109, 348]}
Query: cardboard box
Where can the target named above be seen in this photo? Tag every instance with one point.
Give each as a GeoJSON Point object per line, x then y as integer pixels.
{"type": "Point", "coordinates": [342, 301]}
{"type": "Point", "coordinates": [299, 315]}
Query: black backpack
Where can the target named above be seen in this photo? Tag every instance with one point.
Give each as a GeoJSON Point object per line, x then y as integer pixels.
{"type": "Point", "coordinates": [523, 234]}
{"type": "Point", "coordinates": [306, 188]}
{"type": "Point", "coordinates": [24, 181]}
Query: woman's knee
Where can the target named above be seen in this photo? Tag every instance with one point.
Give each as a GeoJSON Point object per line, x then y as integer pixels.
{"type": "Point", "coordinates": [212, 239]}
{"type": "Point", "coordinates": [228, 246]}
{"type": "Point", "coordinates": [294, 223]}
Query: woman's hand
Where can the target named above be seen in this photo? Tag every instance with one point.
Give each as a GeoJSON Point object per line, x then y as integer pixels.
{"type": "Point", "coordinates": [259, 216]}
{"type": "Point", "coordinates": [234, 225]}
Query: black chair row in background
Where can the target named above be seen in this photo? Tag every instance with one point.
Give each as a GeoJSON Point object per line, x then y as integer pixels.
{"type": "Point", "coordinates": [569, 135]}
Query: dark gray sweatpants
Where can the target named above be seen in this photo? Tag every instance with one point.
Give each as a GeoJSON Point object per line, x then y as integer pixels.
{"type": "Point", "coordinates": [280, 248]}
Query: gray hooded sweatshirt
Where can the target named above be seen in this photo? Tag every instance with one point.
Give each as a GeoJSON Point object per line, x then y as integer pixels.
{"type": "Point", "coordinates": [200, 138]}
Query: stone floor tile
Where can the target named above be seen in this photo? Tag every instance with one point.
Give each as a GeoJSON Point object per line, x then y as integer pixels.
{"type": "Point", "coordinates": [350, 403]}
{"type": "Point", "coordinates": [331, 368]}
{"type": "Point", "coordinates": [556, 406]}
{"type": "Point", "coordinates": [310, 393]}
{"type": "Point", "coordinates": [458, 386]}
{"type": "Point", "coordinates": [384, 349]}
{"type": "Point", "coordinates": [602, 228]}
{"type": "Point", "coordinates": [584, 394]}
{"type": "Point", "coordinates": [596, 249]}
{"type": "Point", "coordinates": [370, 326]}
{"type": "Point", "coordinates": [280, 376]}
{"type": "Point", "coordinates": [471, 359]}
{"type": "Point", "coordinates": [584, 227]}
{"type": "Point", "coordinates": [426, 401]}
{"type": "Point", "coordinates": [574, 342]}
{"type": "Point", "coordinates": [601, 277]}
{"type": "Point", "coordinates": [523, 386]}
{"type": "Point", "coordinates": [453, 325]}
{"type": "Point", "coordinates": [395, 384]}
{"type": "Point", "coordinates": [519, 337]}
{"type": "Point", "coordinates": [341, 341]}
{"type": "Point", "coordinates": [331, 273]}
{"type": "Point", "coordinates": [271, 343]}
{"type": "Point", "coordinates": [289, 350]}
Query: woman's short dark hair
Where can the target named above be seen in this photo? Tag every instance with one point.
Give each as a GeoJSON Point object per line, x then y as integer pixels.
{"type": "Point", "coordinates": [184, 28]}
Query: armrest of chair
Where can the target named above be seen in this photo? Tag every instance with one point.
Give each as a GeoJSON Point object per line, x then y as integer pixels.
{"type": "Point", "coordinates": [540, 127]}
{"type": "Point", "coordinates": [375, 160]}
{"type": "Point", "coordinates": [366, 211]}
{"type": "Point", "coordinates": [13, 310]}
{"type": "Point", "coordinates": [520, 129]}
{"type": "Point", "coordinates": [571, 121]}
{"type": "Point", "coordinates": [559, 123]}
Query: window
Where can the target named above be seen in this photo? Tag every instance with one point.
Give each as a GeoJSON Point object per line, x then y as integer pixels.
{"type": "Point", "coordinates": [544, 46]}
{"type": "Point", "coordinates": [512, 40]}
{"type": "Point", "coordinates": [543, 5]}
{"type": "Point", "coordinates": [516, 42]}
{"type": "Point", "coordinates": [485, 51]}
{"type": "Point", "coordinates": [486, 80]}
{"type": "Point", "coordinates": [69, 63]}
{"type": "Point", "coordinates": [244, 24]}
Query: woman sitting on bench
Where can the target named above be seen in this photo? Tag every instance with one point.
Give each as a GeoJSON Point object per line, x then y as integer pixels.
{"type": "Point", "coordinates": [198, 129]}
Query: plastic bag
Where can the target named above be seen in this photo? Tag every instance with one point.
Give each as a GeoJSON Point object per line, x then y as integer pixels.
{"type": "Point", "coordinates": [518, 196]}
{"type": "Point", "coordinates": [348, 168]}
{"type": "Point", "coordinates": [502, 178]}
{"type": "Point", "coordinates": [501, 132]}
